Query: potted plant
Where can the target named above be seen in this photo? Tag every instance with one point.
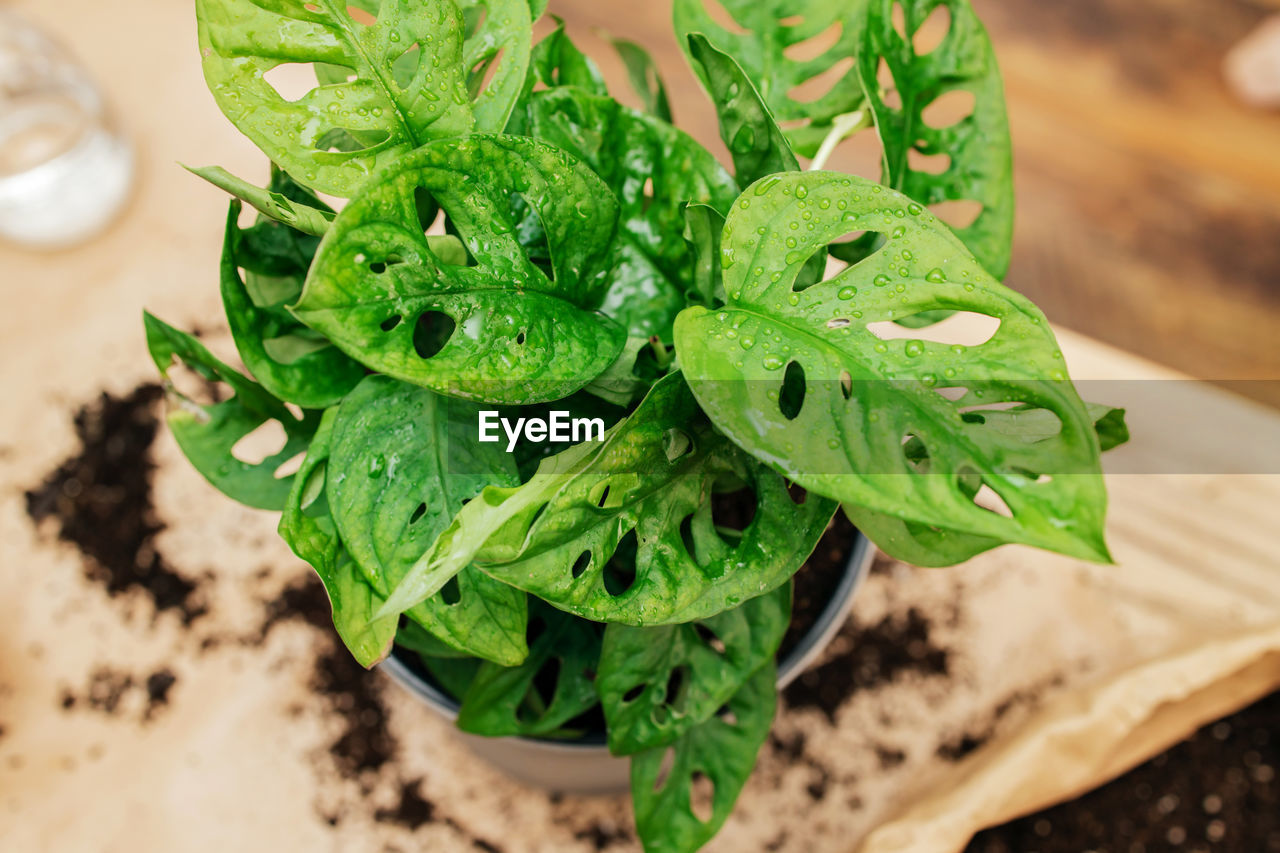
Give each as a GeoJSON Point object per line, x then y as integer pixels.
{"type": "Point", "coordinates": [573, 401]}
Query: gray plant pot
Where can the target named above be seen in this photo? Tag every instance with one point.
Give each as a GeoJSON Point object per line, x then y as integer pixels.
{"type": "Point", "coordinates": [585, 766]}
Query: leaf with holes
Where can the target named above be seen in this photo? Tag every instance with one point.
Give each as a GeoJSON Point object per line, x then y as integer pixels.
{"type": "Point", "coordinates": [657, 683]}
{"type": "Point", "coordinates": [978, 165]}
{"type": "Point", "coordinates": [799, 54]}
{"type": "Point", "coordinates": [499, 330]}
{"type": "Point", "coordinates": [403, 462]}
{"type": "Point", "coordinates": [625, 530]}
{"type": "Point", "coordinates": [674, 812]}
{"type": "Point", "coordinates": [808, 382]}
{"type": "Point", "coordinates": [408, 78]}
{"type": "Point", "coordinates": [309, 530]}
{"type": "Point", "coordinates": [208, 434]}
{"type": "Point", "coordinates": [543, 695]}
{"type": "Point", "coordinates": [292, 362]}
{"type": "Point", "coordinates": [930, 546]}
{"type": "Point", "coordinates": [756, 144]}
{"type": "Point", "coordinates": [654, 170]}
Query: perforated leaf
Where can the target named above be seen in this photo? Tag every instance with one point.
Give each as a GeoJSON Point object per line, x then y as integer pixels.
{"type": "Point", "coordinates": [802, 381]}
{"type": "Point", "coordinates": [543, 695]}
{"type": "Point", "coordinates": [564, 535]}
{"type": "Point", "coordinates": [502, 329]}
{"type": "Point", "coordinates": [773, 41]}
{"type": "Point", "coordinates": [410, 78]}
{"type": "Point", "coordinates": [403, 461]}
{"type": "Point", "coordinates": [208, 433]}
{"type": "Point", "coordinates": [657, 683]}
{"type": "Point", "coordinates": [924, 545]}
{"type": "Point", "coordinates": [654, 170]}
{"type": "Point", "coordinates": [718, 754]}
{"type": "Point", "coordinates": [292, 362]}
{"type": "Point", "coordinates": [975, 149]}
{"type": "Point", "coordinates": [309, 530]}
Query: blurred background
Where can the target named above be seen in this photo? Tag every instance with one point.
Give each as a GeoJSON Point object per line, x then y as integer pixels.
{"type": "Point", "coordinates": [167, 677]}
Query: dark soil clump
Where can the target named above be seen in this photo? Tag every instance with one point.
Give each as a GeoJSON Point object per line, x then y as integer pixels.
{"type": "Point", "coordinates": [365, 744]}
{"type": "Point", "coordinates": [101, 500]}
{"type": "Point", "coordinates": [159, 683]}
{"type": "Point", "coordinates": [1215, 792]}
{"type": "Point", "coordinates": [817, 580]}
{"type": "Point", "coordinates": [412, 810]}
{"type": "Point", "coordinates": [901, 644]}
{"type": "Point", "coordinates": [111, 691]}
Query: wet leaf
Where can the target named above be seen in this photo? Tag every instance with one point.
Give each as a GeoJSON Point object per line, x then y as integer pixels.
{"type": "Point", "coordinates": [625, 530]}
{"type": "Point", "coordinates": [503, 329]}
{"type": "Point", "coordinates": [803, 381]}
{"type": "Point", "coordinates": [657, 683]}
{"type": "Point", "coordinates": [768, 35]}
{"type": "Point", "coordinates": [403, 461]}
{"type": "Point", "coordinates": [654, 170]}
{"type": "Point", "coordinates": [307, 527]}
{"type": "Point", "coordinates": [718, 754]}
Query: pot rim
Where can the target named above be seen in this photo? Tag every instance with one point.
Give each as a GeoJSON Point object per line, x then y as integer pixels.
{"type": "Point", "coordinates": [789, 668]}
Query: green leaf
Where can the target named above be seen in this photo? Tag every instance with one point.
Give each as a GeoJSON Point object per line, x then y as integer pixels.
{"type": "Point", "coordinates": [557, 61]}
{"type": "Point", "coordinates": [747, 127]}
{"type": "Point", "coordinates": [403, 462]}
{"type": "Point", "coordinates": [722, 750]}
{"type": "Point", "coordinates": [935, 547]}
{"type": "Point", "coordinates": [271, 204]}
{"type": "Point", "coordinates": [404, 79]}
{"type": "Point", "coordinates": [279, 351]}
{"type": "Point", "coordinates": [657, 683]}
{"type": "Point", "coordinates": [702, 228]}
{"type": "Point", "coordinates": [559, 535]}
{"type": "Point", "coordinates": [1110, 425]}
{"type": "Point", "coordinates": [502, 43]}
{"type": "Point", "coordinates": [771, 30]}
{"type": "Point", "coordinates": [454, 674]}
{"type": "Point", "coordinates": [513, 701]}
{"type": "Point", "coordinates": [500, 331]}
{"type": "Point", "coordinates": [537, 8]}
{"type": "Point", "coordinates": [645, 79]}
{"type": "Point", "coordinates": [863, 401]}
{"type": "Point", "coordinates": [208, 433]}
{"type": "Point", "coordinates": [654, 170]}
{"type": "Point", "coordinates": [413, 637]}
{"type": "Point", "coordinates": [307, 527]}
{"type": "Point", "coordinates": [980, 165]}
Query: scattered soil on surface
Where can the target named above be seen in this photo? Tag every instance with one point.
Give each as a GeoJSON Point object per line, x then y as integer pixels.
{"type": "Point", "coordinates": [961, 746]}
{"type": "Point", "coordinates": [100, 499]}
{"type": "Point", "coordinates": [365, 744]}
{"type": "Point", "coordinates": [113, 692]}
{"type": "Point", "coordinates": [411, 810]}
{"type": "Point", "coordinates": [1215, 792]}
{"type": "Point", "coordinates": [870, 656]}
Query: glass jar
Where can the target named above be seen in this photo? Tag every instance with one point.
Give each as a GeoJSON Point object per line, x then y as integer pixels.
{"type": "Point", "coordinates": [65, 171]}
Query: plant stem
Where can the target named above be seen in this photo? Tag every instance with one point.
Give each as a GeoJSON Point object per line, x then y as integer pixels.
{"type": "Point", "coordinates": [842, 127]}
